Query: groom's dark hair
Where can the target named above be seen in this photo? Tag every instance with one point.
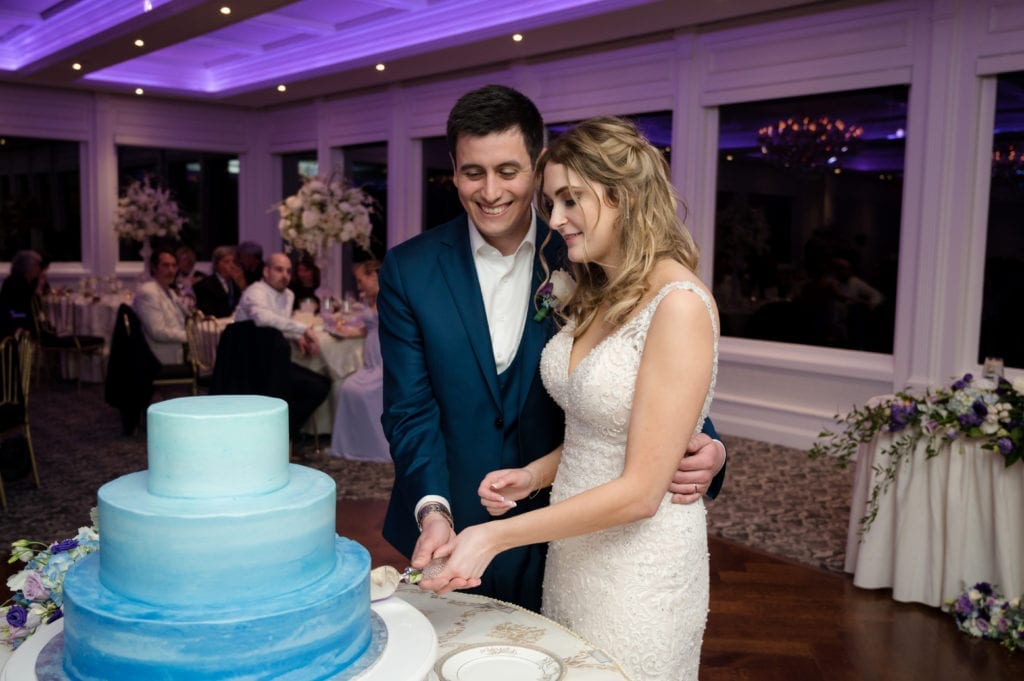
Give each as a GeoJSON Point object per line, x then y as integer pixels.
{"type": "Point", "coordinates": [496, 108]}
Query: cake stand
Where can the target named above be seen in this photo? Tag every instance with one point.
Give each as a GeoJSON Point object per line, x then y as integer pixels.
{"type": "Point", "coordinates": [409, 654]}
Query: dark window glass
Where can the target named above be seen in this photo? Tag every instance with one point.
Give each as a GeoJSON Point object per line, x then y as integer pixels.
{"type": "Point", "coordinates": [1002, 325]}
{"type": "Point", "coordinates": [807, 218]}
{"type": "Point", "coordinates": [440, 199]}
{"type": "Point", "coordinates": [205, 185]}
{"type": "Point", "coordinates": [366, 166]}
{"type": "Point", "coordinates": [40, 198]}
{"type": "Point", "coordinates": [294, 167]}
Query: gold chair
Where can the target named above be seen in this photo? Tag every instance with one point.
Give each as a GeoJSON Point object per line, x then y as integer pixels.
{"type": "Point", "coordinates": [15, 380]}
{"type": "Point", "coordinates": [59, 336]}
{"type": "Point", "coordinates": [203, 333]}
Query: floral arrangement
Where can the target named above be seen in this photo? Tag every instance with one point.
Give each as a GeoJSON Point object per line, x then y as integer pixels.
{"type": "Point", "coordinates": [324, 212]}
{"type": "Point", "coordinates": [39, 587]}
{"type": "Point", "coordinates": [147, 211]}
{"type": "Point", "coordinates": [554, 293]}
{"type": "Point", "coordinates": [990, 411]}
{"type": "Point", "coordinates": [984, 613]}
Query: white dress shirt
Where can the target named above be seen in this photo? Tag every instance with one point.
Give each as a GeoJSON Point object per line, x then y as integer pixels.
{"type": "Point", "coordinates": [266, 306]}
{"type": "Point", "coordinates": [505, 282]}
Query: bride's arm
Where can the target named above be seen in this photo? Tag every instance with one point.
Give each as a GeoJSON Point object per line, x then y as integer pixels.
{"type": "Point", "coordinates": [499, 490]}
{"type": "Point", "coordinates": [673, 379]}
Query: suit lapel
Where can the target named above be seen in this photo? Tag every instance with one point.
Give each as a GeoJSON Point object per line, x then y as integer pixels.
{"type": "Point", "coordinates": [456, 265]}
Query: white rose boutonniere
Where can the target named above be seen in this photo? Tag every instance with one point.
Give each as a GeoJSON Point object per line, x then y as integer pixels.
{"type": "Point", "coordinates": [554, 293]}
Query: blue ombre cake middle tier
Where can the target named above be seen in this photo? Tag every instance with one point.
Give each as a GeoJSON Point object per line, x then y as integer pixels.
{"type": "Point", "coordinates": [179, 551]}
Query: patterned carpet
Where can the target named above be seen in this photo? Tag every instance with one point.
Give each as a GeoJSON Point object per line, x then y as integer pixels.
{"type": "Point", "coordinates": [775, 499]}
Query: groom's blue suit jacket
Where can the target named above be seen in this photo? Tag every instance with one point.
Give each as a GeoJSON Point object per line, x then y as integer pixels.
{"type": "Point", "coordinates": [445, 415]}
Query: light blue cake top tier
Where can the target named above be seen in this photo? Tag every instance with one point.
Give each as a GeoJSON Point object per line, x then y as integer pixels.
{"type": "Point", "coordinates": [217, 445]}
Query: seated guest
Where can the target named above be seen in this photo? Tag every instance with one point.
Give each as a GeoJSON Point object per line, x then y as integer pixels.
{"type": "Point", "coordinates": [306, 281]}
{"type": "Point", "coordinates": [269, 303]}
{"type": "Point", "coordinates": [250, 259]}
{"type": "Point", "coordinates": [19, 288]}
{"type": "Point", "coordinates": [188, 276]}
{"type": "Point", "coordinates": [161, 310]}
{"type": "Point", "coordinates": [217, 295]}
{"type": "Point", "coordinates": [357, 432]}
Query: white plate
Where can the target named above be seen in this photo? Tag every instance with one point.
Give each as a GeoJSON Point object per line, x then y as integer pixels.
{"type": "Point", "coordinates": [491, 662]}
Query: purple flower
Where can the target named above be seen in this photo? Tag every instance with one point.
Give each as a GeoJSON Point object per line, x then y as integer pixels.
{"type": "Point", "coordinates": [900, 413]}
{"type": "Point", "coordinates": [968, 420]}
{"type": "Point", "coordinates": [64, 545]}
{"type": "Point", "coordinates": [979, 408]}
{"type": "Point", "coordinates": [983, 588]}
{"type": "Point", "coordinates": [1005, 445]}
{"type": "Point", "coordinates": [952, 434]}
{"type": "Point", "coordinates": [17, 616]}
{"type": "Point", "coordinates": [546, 289]}
{"type": "Point", "coordinates": [963, 382]}
{"type": "Point", "coordinates": [57, 614]}
{"type": "Point", "coordinates": [34, 589]}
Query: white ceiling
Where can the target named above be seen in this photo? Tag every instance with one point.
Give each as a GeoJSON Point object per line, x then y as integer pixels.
{"type": "Point", "coordinates": [315, 47]}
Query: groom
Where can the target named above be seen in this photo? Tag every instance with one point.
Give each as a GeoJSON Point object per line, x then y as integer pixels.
{"type": "Point", "coordinates": [462, 390]}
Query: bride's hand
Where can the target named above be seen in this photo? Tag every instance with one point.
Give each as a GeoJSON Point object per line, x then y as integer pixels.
{"type": "Point", "coordinates": [500, 490]}
{"type": "Point", "coordinates": [466, 556]}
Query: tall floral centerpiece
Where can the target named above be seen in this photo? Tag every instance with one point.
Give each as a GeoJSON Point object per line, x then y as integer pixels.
{"type": "Point", "coordinates": [147, 210]}
{"type": "Point", "coordinates": [325, 211]}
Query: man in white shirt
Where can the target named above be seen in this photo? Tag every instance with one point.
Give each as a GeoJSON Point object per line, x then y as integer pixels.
{"type": "Point", "coordinates": [161, 310]}
{"type": "Point", "coordinates": [268, 303]}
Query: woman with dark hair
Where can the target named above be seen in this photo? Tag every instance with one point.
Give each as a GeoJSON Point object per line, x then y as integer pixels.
{"type": "Point", "coordinates": [306, 281]}
{"type": "Point", "coordinates": [24, 283]}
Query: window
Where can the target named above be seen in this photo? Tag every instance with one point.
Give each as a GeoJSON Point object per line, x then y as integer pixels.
{"type": "Point", "coordinates": [1002, 325]}
{"type": "Point", "coordinates": [40, 198]}
{"type": "Point", "coordinates": [366, 166]}
{"type": "Point", "coordinates": [204, 184]}
{"type": "Point", "coordinates": [807, 218]}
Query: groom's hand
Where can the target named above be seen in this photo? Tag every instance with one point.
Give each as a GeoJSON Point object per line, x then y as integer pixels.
{"type": "Point", "coordinates": [703, 459]}
{"type": "Point", "coordinates": [436, 533]}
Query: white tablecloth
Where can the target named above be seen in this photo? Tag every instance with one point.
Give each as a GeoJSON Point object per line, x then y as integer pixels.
{"type": "Point", "coordinates": [93, 316]}
{"type": "Point", "coordinates": [338, 358]}
{"type": "Point", "coordinates": [945, 522]}
{"type": "Point", "coordinates": [462, 620]}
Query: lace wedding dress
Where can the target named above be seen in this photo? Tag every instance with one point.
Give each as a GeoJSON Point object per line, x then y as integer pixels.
{"type": "Point", "coordinates": [638, 591]}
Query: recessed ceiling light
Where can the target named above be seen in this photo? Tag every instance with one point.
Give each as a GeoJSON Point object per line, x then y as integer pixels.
{"type": "Point", "coordinates": [139, 42]}
{"type": "Point", "coordinates": [380, 67]}
{"type": "Point", "coordinates": [76, 66]}
{"type": "Point", "coordinates": [225, 10]}
{"type": "Point", "coordinates": [517, 37]}
{"type": "Point", "coordinates": [139, 91]}
{"type": "Point", "coordinates": [282, 87]}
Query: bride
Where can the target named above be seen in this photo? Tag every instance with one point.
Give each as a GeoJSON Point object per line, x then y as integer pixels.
{"type": "Point", "coordinates": [633, 368]}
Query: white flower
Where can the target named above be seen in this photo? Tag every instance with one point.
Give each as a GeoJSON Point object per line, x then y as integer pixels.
{"type": "Point", "coordinates": [1018, 384]}
{"type": "Point", "coordinates": [562, 285]}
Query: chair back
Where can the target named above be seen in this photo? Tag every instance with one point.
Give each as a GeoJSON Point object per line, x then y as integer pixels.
{"type": "Point", "coordinates": [15, 370]}
{"type": "Point", "coordinates": [203, 333]}
{"type": "Point", "coordinates": [251, 360]}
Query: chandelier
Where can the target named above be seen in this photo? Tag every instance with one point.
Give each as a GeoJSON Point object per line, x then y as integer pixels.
{"type": "Point", "coordinates": [1008, 163]}
{"type": "Point", "coordinates": [809, 144]}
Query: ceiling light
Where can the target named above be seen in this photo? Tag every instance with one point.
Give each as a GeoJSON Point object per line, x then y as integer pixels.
{"type": "Point", "coordinates": [380, 67]}
{"type": "Point", "coordinates": [139, 42]}
{"type": "Point", "coordinates": [225, 10]}
{"type": "Point", "coordinates": [76, 66]}
{"type": "Point", "coordinates": [139, 91]}
{"type": "Point", "coordinates": [282, 87]}
{"type": "Point", "coordinates": [517, 37]}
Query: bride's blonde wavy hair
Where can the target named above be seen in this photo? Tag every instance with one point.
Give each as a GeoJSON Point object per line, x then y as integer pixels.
{"type": "Point", "coordinates": [610, 152]}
